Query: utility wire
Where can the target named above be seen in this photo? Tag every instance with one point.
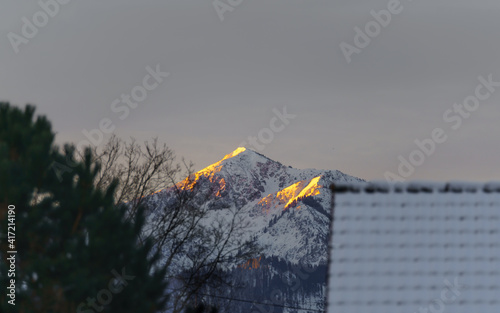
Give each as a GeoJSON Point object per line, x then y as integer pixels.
{"type": "Point", "coordinates": [253, 302]}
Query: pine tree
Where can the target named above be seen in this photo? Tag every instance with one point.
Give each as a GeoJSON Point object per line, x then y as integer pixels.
{"type": "Point", "coordinates": [76, 251]}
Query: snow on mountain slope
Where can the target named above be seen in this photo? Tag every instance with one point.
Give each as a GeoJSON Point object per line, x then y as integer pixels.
{"type": "Point", "coordinates": [288, 208]}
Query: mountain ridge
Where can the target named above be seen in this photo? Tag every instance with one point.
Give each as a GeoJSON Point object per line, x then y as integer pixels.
{"type": "Point", "coordinates": [286, 211]}
{"type": "Point", "coordinates": [280, 201]}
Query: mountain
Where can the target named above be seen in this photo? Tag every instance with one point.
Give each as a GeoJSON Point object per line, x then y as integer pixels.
{"type": "Point", "coordinates": [288, 211]}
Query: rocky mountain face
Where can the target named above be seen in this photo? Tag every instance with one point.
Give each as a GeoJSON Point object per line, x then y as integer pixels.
{"type": "Point", "coordinates": [288, 212]}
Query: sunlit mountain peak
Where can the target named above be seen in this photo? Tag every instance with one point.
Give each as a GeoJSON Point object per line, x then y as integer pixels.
{"type": "Point", "coordinates": [211, 172]}
{"type": "Point", "coordinates": [287, 209]}
{"type": "Point", "coordinates": [234, 153]}
{"type": "Point", "coordinates": [292, 194]}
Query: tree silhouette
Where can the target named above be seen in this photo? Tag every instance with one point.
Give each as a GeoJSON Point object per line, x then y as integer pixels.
{"type": "Point", "coordinates": [76, 250]}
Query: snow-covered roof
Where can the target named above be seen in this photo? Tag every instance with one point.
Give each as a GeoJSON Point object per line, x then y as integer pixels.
{"type": "Point", "coordinates": [415, 247]}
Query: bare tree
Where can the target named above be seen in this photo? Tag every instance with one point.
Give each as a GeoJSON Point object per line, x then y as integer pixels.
{"type": "Point", "coordinates": [204, 244]}
{"type": "Point", "coordinates": [199, 237]}
{"type": "Point", "coordinates": [141, 170]}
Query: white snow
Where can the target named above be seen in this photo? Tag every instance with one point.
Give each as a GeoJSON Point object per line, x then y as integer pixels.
{"type": "Point", "coordinates": [398, 249]}
{"type": "Point", "coordinates": [250, 177]}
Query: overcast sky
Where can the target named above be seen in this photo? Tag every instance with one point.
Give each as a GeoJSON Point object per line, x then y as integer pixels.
{"type": "Point", "coordinates": [227, 78]}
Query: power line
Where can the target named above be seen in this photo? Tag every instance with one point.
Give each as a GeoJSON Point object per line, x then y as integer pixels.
{"type": "Point", "coordinates": [255, 302]}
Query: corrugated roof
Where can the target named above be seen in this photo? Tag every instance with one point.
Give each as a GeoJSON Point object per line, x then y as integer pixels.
{"type": "Point", "coordinates": [415, 247]}
{"type": "Point", "coordinates": [416, 187]}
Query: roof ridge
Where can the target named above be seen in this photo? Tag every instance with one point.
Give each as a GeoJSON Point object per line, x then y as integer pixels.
{"type": "Point", "coordinates": [417, 187]}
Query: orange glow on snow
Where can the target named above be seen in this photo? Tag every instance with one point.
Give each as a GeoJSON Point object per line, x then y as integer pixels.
{"type": "Point", "coordinates": [234, 153]}
{"type": "Point", "coordinates": [211, 170]}
{"type": "Point", "coordinates": [311, 189]}
{"type": "Point", "coordinates": [291, 194]}
{"type": "Point", "coordinates": [210, 173]}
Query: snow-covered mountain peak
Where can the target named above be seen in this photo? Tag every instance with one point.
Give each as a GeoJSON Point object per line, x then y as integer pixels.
{"type": "Point", "coordinates": [287, 211]}
{"type": "Point", "coordinates": [234, 153]}
{"type": "Point", "coordinates": [241, 158]}
{"type": "Point", "coordinates": [289, 208]}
